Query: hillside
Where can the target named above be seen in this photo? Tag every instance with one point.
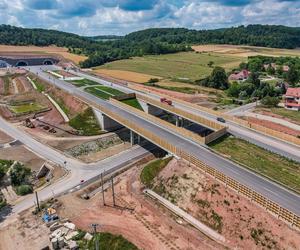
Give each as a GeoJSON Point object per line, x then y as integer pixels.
{"type": "Point", "coordinates": [103, 49]}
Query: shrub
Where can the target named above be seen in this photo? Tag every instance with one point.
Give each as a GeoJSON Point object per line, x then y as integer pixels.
{"type": "Point", "coordinates": [19, 175]}
{"type": "Point", "coordinates": [269, 101]}
{"type": "Point", "coordinates": [24, 189]}
{"type": "Point", "coordinates": [153, 80]}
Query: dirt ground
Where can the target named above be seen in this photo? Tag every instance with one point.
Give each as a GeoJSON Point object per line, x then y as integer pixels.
{"type": "Point", "coordinates": [24, 231]}
{"type": "Point", "coordinates": [269, 113]}
{"type": "Point", "coordinates": [242, 223]}
{"type": "Point", "coordinates": [22, 154]}
{"type": "Point", "coordinates": [4, 138]}
{"type": "Point", "coordinates": [245, 51]}
{"type": "Point", "coordinates": [125, 75]}
{"type": "Point", "coordinates": [43, 50]}
{"type": "Point", "coordinates": [274, 126]}
{"type": "Point", "coordinates": [148, 225]}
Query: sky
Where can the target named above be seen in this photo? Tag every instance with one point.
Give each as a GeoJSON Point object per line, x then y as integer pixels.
{"type": "Point", "coordinates": [119, 17]}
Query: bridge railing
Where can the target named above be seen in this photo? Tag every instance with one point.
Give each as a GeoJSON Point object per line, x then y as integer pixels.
{"type": "Point", "coordinates": [181, 131]}
{"type": "Point", "coordinates": [274, 208]}
{"type": "Point", "coordinates": [241, 122]}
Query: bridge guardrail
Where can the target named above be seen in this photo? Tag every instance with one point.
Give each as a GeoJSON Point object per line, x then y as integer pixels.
{"type": "Point", "coordinates": [241, 122]}
{"type": "Point", "coordinates": [259, 199]}
{"type": "Point", "coordinates": [193, 136]}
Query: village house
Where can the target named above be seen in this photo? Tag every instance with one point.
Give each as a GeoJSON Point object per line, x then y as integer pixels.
{"type": "Point", "coordinates": [292, 99]}
{"type": "Point", "coordinates": [239, 76]}
{"type": "Point", "coordinates": [285, 68]}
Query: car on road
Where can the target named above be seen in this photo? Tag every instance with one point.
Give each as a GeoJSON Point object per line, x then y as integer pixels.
{"type": "Point", "coordinates": [220, 119]}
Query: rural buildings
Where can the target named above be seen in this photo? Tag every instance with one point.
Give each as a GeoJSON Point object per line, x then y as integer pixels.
{"type": "Point", "coordinates": [239, 76]}
{"type": "Point", "coordinates": [292, 99]}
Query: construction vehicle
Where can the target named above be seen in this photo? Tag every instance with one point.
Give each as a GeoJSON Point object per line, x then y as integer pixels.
{"type": "Point", "coordinates": [166, 101]}
{"type": "Point", "coordinates": [28, 123]}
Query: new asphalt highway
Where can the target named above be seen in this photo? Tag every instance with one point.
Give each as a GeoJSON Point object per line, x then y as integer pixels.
{"type": "Point", "coordinates": [272, 191]}
{"type": "Point", "coordinates": [272, 144]}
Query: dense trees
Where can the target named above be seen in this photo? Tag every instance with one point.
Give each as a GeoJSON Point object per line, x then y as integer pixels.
{"type": "Point", "coordinates": [104, 49]}
{"type": "Point", "coordinates": [218, 79]}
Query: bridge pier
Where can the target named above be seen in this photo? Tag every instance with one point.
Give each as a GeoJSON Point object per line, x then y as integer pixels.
{"type": "Point", "coordinates": [106, 122]}
{"type": "Point", "coordinates": [131, 137]}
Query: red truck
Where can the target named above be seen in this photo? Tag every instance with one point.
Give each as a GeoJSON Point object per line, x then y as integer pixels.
{"type": "Point", "coordinates": [165, 100]}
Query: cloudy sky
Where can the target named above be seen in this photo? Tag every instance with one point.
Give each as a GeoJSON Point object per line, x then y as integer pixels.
{"type": "Point", "coordinates": [99, 17]}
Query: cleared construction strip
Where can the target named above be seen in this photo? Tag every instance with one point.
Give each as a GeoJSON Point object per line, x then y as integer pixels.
{"type": "Point", "coordinates": [188, 218]}
{"type": "Point", "coordinates": [259, 199]}
{"type": "Point", "coordinates": [182, 131]}
{"type": "Point", "coordinates": [32, 83]}
{"type": "Point", "coordinates": [63, 114]}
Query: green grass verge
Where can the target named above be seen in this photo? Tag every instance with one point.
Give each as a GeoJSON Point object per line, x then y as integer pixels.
{"type": "Point", "coordinates": [86, 123]}
{"type": "Point", "coordinates": [189, 65]}
{"type": "Point", "coordinates": [133, 103]}
{"type": "Point", "coordinates": [84, 82]}
{"type": "Point", "coordinates": [106, 241]}
{"type": "Point", "coordinates": [26, 108]}
{"type": "Point", "coordinates": [111, 91]}
{"type": "Point", "coordinates": [260, 160]}
{"type": "Point", "coordinates": [40, 86]}
{"type": "Point", "coordinates": [151, 170]}
{"type": "Point", "coordinates": [96, 92]}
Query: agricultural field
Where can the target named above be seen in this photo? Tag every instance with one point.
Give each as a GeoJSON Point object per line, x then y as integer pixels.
{"type": "Point", "coordinates": [43, 50]}
{"type": "Point", "coordinates": [103, 92]}
{"type": "Point", "coordinates": [245, 51]}
{"type": "Point", "coordinates": [260, 160]}
{"type": "Point", "coordinates": [26, 108]}
{"type": "Point", "coordinates": [186, 65]}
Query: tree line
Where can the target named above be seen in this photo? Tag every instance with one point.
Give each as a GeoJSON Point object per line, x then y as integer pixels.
{"type": "Point", "coordinates": [105, 49]}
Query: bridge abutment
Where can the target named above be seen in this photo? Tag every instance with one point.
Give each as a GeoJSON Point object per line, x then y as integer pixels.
{"type": "Point", "coordinates": [106, 122]}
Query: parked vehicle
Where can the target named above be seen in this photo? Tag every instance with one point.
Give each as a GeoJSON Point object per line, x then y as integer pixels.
{"type": "Point", "coordinates": [165, 100]}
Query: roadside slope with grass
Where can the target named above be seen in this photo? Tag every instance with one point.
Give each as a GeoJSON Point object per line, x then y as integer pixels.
{"type": "Point", "coordinates": [271, 165]}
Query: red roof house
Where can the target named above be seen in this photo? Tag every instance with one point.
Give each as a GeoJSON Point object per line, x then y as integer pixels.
{"type": "Point", "coordinates": [239, 76]}
{"type": "Point", "coordinates": [292, 99]}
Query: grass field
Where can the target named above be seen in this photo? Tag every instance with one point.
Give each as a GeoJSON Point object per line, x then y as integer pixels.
{"type": "Point", "coordinates": [133, 103]}
{"type": "Point", "coordinates": [84, 82]}
{"type": "Point", "coordinates": [43, 50]}
{"type": "Point", "coordinates": [26, 108]}
{"type": "Point", "coordinates": [290, 114]}
{"type": "Point", "coordinates": [106, 241]}
{"type": "Point", "coordinates": [103, 92]}
{"type": "Point", "coordinates": [151, 170]}
{"type": "Point", "coordinates": [86, 123]}
{"type": "Point", "coordinates": [262, 161]}
{"type": "Point", "coordinates": [189, 65]}
{"type": "Point", "coordinates": [245, 51]}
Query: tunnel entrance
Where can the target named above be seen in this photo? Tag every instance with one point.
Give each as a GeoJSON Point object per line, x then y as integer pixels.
{"type": "Point", "coordinates": [21, 64]}
{"type": "Point", "coordinates": [48, 62]}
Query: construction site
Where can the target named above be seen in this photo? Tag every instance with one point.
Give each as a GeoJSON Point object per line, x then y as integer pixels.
{"type": "Point", "coordinates": [97, 176]}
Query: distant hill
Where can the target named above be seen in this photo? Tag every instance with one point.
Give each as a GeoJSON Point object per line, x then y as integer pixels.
{"type": "Point", "coordinates": [102, 49]}
{"type": "Point", "coordinates": [275, 36]}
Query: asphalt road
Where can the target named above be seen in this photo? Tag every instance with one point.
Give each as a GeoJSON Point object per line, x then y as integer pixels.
{"type": "Point", "coordinates": [77, 170]}
{"type": "Point", "coordinates": [272, 144]}
{"type": "Point", "coordinates": [274, 192]}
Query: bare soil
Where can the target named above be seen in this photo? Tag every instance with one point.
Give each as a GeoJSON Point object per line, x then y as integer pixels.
{"type": "Point", "coordinates": [148, 225]}
{"type": "Point", "coordinates": [274, 126]}
{"type": "Point", "coordinates": [244, 224]}
{"type": "Point", "coordinates": [4, 138]}
{"type": "Point", "coordinates": [24, 231]}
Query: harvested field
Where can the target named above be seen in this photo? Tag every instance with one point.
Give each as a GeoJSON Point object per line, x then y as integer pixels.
{"type": "Point", "coordinates": [243, 224]}
{"type": "Point", "coordinates": [184, 65]}
{"type": "Point", "coordinates": [245, 51]}
{"type": "Point", "coordinates": [125, 75]}
{"type": "Point", "coordinates": [63, 52]}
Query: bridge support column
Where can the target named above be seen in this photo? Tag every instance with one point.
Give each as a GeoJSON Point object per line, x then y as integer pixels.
{"type": "Point", "coordinates": [131, 137]}
{"type": "Point", "coordinates": [139, 139]}
{"type": "Point", "coordinates": [105, 122]}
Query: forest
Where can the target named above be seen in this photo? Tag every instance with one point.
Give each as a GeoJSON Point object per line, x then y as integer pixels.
{"type": "Point", "coordinates": [103, 49]}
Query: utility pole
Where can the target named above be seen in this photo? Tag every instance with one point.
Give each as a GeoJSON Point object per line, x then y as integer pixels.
{"type": "Point", "coordinates": [113, 190]}
{"type": "Point", "coordinates": [95, 234]}
{"type": "Point", "coordinates": [37, 201]}
{"type": "Point", "coordinates": [102, 182]}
